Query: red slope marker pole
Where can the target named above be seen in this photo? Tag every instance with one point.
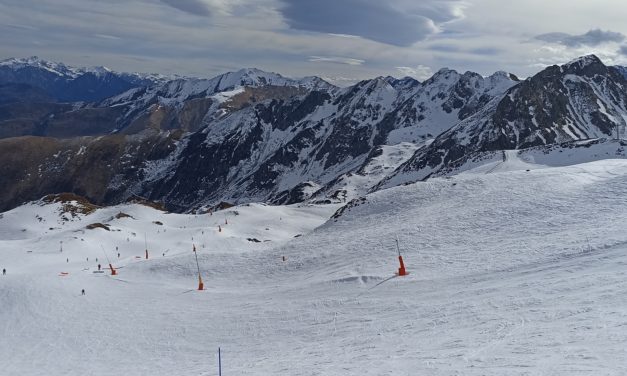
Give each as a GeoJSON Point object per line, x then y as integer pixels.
{"type": "Point", "coordinates": [113, 271]}
{"type": "Point", "coordinates": [401, 270]}
{"type": "Point", "coordinates": [201, 286]}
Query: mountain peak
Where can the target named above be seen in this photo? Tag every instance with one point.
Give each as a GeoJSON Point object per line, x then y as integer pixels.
{"type": "Point", "coordinates": [588, 65]}
{"type": "Point", "coordinates": [585, 60]}
{"type": "Point", "coordinates": [405, 82]}
{"type": "Point", "coordinates": [37, 62]}
{"type": "Point", "coordinates": [99, 70]}
{"type": "Point", "coordinates": [504, 75]}
{"type": "Point", "coordinates": [258, 77]}
{"type": "Point", "coordinates": [444, 74]}
{"type": "Point", "coordinates": [253, 72]}
{"type": "Point", "coordinates": [24, 60]}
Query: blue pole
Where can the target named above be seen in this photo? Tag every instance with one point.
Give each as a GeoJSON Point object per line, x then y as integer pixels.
{"type": "Point", "coordinates": [219, 363]}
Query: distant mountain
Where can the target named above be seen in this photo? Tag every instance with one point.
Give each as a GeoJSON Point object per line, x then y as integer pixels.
{"type": "Point", "coordinates": [191, 103]}
{"type": "Point", "coordinates": [69, 84]}
{"type": "Point", "coordinates": [105, 102]}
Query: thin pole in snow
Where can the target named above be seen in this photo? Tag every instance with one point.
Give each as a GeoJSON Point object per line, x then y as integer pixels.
{"type": "Point", "coordinates": [105, 253]}
{"type": "Point", "coordinates": [146, 244]}
{"type": "Point", "coordinates": [397, 246]}
{"type": "Point", "coordinates": [219, 363]}
{"type": "Point", "coordinates": [197, 265]}
{"type": "Point", "coordinates": [113, 271]}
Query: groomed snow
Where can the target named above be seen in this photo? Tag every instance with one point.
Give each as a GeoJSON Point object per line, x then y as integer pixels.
{"type": "Point", "coordinates": [513, 272]}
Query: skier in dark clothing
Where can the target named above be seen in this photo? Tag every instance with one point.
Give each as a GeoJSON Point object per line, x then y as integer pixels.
{"type": "Point", "coordinates": [4, 272]}
{"type": "Point", "coordinates": [98, 266]}
{"type": "Point", "coordinates": [83, 292]}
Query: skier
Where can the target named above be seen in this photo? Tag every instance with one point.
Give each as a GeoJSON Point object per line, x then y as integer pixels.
{"type": "Point", "coordinates": [4, 272]}
{"type": "Point", "coordinates": [118, 254]}
{"type": "Point", "coordinates": [83, 292]}
{"type": "Point", "coordinates": [98, 266]}
{"type": "Point", "coordinates": [67, 260]}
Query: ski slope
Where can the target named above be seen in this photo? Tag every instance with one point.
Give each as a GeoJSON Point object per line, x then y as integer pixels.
{"type": "Point", "coordinates": [512, 272]}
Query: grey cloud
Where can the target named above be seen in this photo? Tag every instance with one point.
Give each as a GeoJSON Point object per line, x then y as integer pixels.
{"type": "Point", "coordinates": [107, 36]}
{"type": "Point", "coordinates": [394, 22]}
{"type": "Point", "coordinates": [623, 50]}
{"type": "Point", "coordinates": [24, 27]}
{"type": "Point", "coordinates": [195, 7]}
{"type": "Point", "coordinates": [592, 38]}
{"type": "Point", "coordinates": [335, 59]}
{"type": "Point", "coordinates": [444, 48]}
{"type": "Point", "coordinates": [491, 51]}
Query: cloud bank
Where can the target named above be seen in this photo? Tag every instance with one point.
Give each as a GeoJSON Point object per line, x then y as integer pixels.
{"type": "Point", "coordinates": [194, 7]}
{"type": "Point", "coordinates": [592, 38]}
{"type": "Point", "coordinates": [394, 22]}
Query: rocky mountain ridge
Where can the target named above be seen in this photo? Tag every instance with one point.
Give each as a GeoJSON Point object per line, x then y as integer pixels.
{"type": "Point", "coordinates": [257, 136]}
{"type": "Point", "coordinates": [580, 100]}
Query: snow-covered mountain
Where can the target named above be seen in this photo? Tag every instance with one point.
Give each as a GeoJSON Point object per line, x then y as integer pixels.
{"type": "Point", "coordinates": [176, 92]}
{"type": "Point", "coordinates": [257, 136]}
{"type": "Point", "coordinates": [583, 99]}
{"type": "Point", "coordinates": [70, 84]}
{"type": "Point", "coordinates": [192, 103]}
{"type": "Point", "coordinates": [287, 150]}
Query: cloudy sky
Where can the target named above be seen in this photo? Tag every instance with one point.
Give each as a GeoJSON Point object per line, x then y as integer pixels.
{"type": "Point", "coordinates": [341, 40]}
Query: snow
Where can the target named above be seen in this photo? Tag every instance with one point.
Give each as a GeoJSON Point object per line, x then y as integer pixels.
{"type": "Point", "coordinates": [69, 72]}
{"type": "Point", "coordinates": [356, 184]}
{"type": "Point", "coordinates": [555, 155]}
{"type": "Point", "coordinates": [574, 153]}
{"type": "Point", "coordinates": [226, 95]}
{"type": "Point", "coordinates": [59, 69]}
{"type": "Point", "coordinates": [507, 160]}
{"type": "Point", "coordinates": [512, 272]}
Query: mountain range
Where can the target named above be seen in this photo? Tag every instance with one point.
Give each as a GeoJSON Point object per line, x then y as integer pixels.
{"type": "Point", "coordinates": [251, 135]}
